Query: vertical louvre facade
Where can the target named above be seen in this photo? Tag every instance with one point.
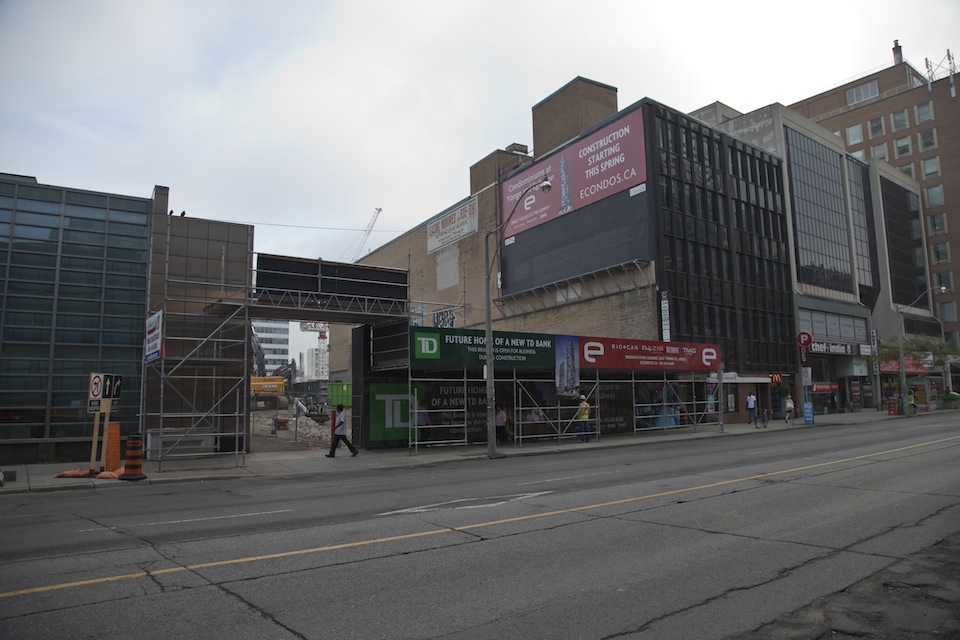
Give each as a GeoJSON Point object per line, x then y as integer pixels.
{"type": "Point", "coordinates": [724, 259]}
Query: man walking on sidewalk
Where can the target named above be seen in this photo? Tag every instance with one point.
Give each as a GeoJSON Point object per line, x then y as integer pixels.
{"type": "Point", "coordinates": [340, 433]}
{"type": "Point", "coordinates": [751, 408]}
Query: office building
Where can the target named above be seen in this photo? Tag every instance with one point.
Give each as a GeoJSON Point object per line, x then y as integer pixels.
{"type": "Point", "coordinates": [73, 290]}
{"type": "Point", "coordinates": [850, 250]}
{"type": "Point", "coordinates": [274, 337]}
{"type": "Point", "coordinates": [910, 120]}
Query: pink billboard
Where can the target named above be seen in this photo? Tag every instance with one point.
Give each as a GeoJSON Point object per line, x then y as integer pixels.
{"type": "Point", "coordinates": [598, 165]}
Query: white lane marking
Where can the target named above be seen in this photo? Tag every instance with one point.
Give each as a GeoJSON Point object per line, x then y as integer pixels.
{"type": "Point", "coordinates": [586, 475]}
{"type": "Point", "coordinates": [462, 503]}
{"type": "Point", "coordinates": [760, 453]}
{"type": "Point", "coordinates": [156, 524]}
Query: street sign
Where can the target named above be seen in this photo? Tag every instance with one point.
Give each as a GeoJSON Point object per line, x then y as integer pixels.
{"type": "Point", "coordinates": [804, 339]}
{"type": "Point", "coordinates": [104, 392]}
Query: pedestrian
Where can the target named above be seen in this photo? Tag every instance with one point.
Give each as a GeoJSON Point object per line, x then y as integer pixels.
{"type": "Point", "coordinates": [912, 401]}
{"type": "Point", "coordinates": [340, 433]}
{"type": "Point", "coordinates": [584, 416]}
{"type": "Point", "coordinates": [501, 425]}
{"type": "Point", "coordinates": [791, 409]}
{"type": "Point", "coordinates": [751, 408]}
{"type": "Point", "coordinates": [423, 420]}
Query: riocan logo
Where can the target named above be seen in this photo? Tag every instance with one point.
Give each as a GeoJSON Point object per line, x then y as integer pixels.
{"type": "Point", "coordinates": [592, 351]}
{"type": "Point", "coordinates": [708, 357]}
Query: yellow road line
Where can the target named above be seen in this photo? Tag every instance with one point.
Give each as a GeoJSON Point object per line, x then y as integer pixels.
{"type": "Point", "coordinates": [433, 532]}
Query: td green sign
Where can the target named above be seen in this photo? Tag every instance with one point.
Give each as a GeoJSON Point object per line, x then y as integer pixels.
{"type": "Point", "coordinates": [467, 348]}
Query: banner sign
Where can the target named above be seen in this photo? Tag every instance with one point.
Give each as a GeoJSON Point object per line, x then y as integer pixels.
{"type": "Point", "coordinates": [622, 353]}
{"type": "Point", "coordinates": [465, 347]}
{"type": "Point", "coordinates": [452, 225]}
{"type": "Point", "coordinates": [598, 165]}
{"type": "Point", "coordinates": [433, 348]}
{"type": "Point", "coordinates": [152, 341]}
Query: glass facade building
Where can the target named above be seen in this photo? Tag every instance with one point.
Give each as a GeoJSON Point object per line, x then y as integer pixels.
{"type": "Point", "coordinates": [818, 201]}
{"type": "Point", "coordinates": [73, 295]}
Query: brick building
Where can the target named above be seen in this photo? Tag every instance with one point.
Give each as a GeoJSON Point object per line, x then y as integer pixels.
{"type": "Point", "coordinates": [657, 227]}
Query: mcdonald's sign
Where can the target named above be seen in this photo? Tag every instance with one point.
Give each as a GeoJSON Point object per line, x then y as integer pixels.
{"type": "Point", "coordinates": [776, 378]}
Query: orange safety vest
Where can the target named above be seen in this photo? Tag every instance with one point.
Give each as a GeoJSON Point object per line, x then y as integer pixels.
{"type": "Point", "coordinates": [584, 410]}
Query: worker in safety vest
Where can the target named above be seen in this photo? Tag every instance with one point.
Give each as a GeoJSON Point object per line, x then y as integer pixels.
{"type": "Point", "coordinates": [583, 414]}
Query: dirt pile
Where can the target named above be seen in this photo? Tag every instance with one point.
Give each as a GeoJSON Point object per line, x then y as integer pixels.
{"type": "Point", "coordinates": [282, 429]}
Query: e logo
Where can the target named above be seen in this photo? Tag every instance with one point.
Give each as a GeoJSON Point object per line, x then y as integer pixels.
{"type": "Point", "coordinates": [592, 350]}
{"type": "Point", "coordinates": [708, 356]}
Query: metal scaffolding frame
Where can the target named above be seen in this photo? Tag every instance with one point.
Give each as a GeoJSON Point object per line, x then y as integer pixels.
{"type": "Point", "coordinates": [196, 393]}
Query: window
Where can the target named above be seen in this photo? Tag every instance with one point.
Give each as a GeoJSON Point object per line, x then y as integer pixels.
{"type": "Point", "coordinates": [901, 147]}
{"type": "Point", "coordinates": [944, 279]}
{"type": "Point", "coordinates": [898, 120]}
{"type": "Point", "coordinates": [876, 127]}
{"type": "Point", "coordinates": [924, 112]}
{"type": "Point", "coordinates": [859, 154]}
{"type": "Point", "coordinates": [907, 169]}
{"type": "Point", "coordinates": [854, 134]}
{"type": "Point", "coordinates": [879, 152]}
{"type": "Point", "coordinates": [947, 311]}
{"type": "Point", "coordinates": [934, 195]}
{"type": "Point", "coordinates": [940, 253]}
{"type": "Point", "coordinates": [930, 167]}
{"type": "Point", "coordinates": [927, 140]}
{"type": "Point", "coordinates": [937, 224]}
{"type": "Point", "coordinates": [863, 92]}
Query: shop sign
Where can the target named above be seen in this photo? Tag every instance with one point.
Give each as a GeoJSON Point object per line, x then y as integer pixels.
{"type": "Point", "coordinates": [832, 348]}
{"type": "Point", "coordinates": [825, 387]}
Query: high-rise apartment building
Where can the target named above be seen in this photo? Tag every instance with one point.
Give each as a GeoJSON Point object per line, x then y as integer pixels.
{"type": "Point", "coordinates": [274, 337]}
{"type": "Point", "coordinates": [910, 120]}
{"type": "Point", "coordinates": [318, 363]}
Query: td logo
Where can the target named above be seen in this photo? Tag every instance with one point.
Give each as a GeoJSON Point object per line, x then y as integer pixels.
{"type": "Point", "coordinates": [426, 346]}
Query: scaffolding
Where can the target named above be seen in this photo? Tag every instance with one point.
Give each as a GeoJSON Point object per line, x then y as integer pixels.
{"type": "Point", "coordinates": [195, 400]}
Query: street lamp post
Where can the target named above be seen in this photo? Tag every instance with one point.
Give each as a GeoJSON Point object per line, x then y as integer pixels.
{"type": "Point", "coordinates": [901, 362]}
{"type": "Point", "coordinates": [544, 186]}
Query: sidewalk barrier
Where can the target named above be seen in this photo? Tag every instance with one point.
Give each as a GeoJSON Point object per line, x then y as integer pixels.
{"type": "Point", "coordinates": [111, 461]}
{"type": "Point", "coordinates": [133, 464]}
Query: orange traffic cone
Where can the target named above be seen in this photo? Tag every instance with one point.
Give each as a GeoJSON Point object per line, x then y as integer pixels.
{"type": "Point", "coordinates": [132, 465]}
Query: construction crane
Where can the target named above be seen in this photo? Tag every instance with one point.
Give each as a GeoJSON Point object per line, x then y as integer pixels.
{"type": "Point", "coordinates": [366, 233]}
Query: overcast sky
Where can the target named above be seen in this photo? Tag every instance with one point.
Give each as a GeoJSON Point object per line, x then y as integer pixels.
{"type": "Point", "coordinates": [302, 117]}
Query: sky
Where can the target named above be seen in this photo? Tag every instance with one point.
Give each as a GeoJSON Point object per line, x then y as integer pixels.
{"type": "Point", "coordinates": [303, 117]}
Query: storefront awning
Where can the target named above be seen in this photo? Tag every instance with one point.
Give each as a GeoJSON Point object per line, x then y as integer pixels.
{"type": "Point", "coordinates": [912, 367]}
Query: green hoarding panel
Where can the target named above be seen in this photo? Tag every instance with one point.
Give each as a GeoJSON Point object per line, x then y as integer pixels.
{"type": "Point", "coordinates": [434, 348]}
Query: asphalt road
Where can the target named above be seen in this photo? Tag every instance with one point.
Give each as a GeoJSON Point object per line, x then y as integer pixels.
{"type": "Point", "coordinates": [750, 537]}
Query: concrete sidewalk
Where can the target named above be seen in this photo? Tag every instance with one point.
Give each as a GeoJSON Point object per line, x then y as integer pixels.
{"type": "Point", "coordinates": [42, 477]}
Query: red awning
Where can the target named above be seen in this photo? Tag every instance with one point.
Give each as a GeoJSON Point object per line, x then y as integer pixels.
{"type": "Point", "coordinates": [912, 367]}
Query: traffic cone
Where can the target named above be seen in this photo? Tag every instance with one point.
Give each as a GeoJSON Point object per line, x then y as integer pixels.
{"type": "Point", "coordinates": [132, 465]}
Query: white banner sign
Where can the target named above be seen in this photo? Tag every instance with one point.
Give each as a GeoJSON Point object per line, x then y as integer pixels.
{"type": "Point", "coordinates": [452, 225]}
{"type": "Point", "coordinates": [153, 337]}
